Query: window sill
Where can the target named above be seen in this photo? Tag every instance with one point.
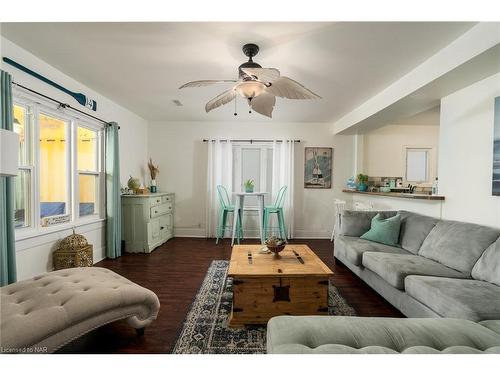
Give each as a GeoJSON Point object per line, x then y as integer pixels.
{"type": "Point", "coordinates": [24, 234]}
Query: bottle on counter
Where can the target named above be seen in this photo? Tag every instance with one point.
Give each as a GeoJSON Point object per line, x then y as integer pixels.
{"type": "Point", "coordinates": [435, 187]}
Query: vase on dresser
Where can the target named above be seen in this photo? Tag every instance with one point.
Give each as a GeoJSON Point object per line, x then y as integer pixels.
{"type": "Point", "coordinates": [147, 221]}
{"type": "Point", "coordinates": [152, 188]}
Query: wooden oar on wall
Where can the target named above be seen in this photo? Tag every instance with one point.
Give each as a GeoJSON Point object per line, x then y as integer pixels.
{"type": "Point", "coordinates": [80, 98]}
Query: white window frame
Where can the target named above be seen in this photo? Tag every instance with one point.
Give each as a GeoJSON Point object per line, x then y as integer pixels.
{"type": "Point", "coordinates": [39, 105]}
{"type": "Point", "coordinates": [30, 117]}
{"type": "Point", "coordinates": [238, 166]}
{"type": "Point", "coordinates": [98, 173]}
{"type": "Point", "coordinates": [431, 164]}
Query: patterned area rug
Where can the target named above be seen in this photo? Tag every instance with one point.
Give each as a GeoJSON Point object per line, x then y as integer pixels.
{"type": "Point", "coordinates": [205, 329]}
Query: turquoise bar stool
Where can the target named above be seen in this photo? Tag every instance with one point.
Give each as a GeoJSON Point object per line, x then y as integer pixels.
{"type": "Point", "coordinates": [225, 207]}
{"type": "Point", "coordinates": [277, 209]}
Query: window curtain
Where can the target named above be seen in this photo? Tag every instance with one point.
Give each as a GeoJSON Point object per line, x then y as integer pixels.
{"type": "Point", "coordinates": [283, 174]}
{"type": "Point", "coordinates": [113, 198]}
{"type": "Point", "coordinates": [219, 172]}
{"type": "Point", "coordinates": [7, 237]}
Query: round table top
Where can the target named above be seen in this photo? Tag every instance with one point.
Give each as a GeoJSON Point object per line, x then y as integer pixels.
{"type": "Point", "coordinates": [250, 194]}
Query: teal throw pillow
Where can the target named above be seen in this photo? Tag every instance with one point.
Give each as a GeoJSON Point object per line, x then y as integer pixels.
{"type": "Point", "coordinates": [385, 231]}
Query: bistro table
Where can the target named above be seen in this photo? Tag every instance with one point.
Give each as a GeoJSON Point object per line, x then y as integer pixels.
{"type": "Point", "coordinates": [240, 200]}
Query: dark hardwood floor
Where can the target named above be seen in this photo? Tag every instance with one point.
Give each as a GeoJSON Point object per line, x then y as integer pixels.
{"type": "Point", "coordinates": [175, 271]}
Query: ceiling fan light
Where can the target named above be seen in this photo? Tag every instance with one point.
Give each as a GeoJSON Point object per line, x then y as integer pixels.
{"type": "Point", "coordinates": [250, 89]}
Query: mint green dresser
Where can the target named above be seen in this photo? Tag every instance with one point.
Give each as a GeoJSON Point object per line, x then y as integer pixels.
{"type": "Point", "coordinates": [147, 221]}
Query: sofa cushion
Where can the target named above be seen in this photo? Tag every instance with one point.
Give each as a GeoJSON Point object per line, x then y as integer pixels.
{"type": "Point", "coordinates": [487, 268]}
{"type": "Point", "coordinates": [457, 245]}
{"type": "Point", "coordinates": [355, 223]}
{"type": "Point", "coordinates": [352, 248]}
{"type": "Point", "coordinates": [384, 231]}
{"type": "Point", "coordinates": [346, 334]}
{"type": "Point", "coordinates": [394, 268]}
{"type": "Point", "coordinates": [456, 298]}
{"type": "Point", "coordinates": [414, 229]}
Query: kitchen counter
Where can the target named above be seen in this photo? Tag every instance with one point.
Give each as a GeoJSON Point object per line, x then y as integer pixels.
{"type": "Point", "coordinates": [398, 195]}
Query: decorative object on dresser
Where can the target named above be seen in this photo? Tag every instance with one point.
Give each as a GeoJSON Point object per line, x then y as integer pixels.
{"type": "Point", "coordinates": [265, 286]}
{"type": "Point", "coordinates": [73, 251]}
{"type": "Point", "coordinates": [153, 171]}
{"type": "Point", "coordinates": [318, 163]}
{"type": "Point", "coordinates": [147, 221]}
{"type": "Point", "coordinates": [133, 184]}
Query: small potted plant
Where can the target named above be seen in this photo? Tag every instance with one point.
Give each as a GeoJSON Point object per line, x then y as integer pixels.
{"type": "Point", "coordinates": [249, 185]}
{"type": "Point", "coordinates": [362, 182]}
{"type": "Point", "coordinates": [153, 171]}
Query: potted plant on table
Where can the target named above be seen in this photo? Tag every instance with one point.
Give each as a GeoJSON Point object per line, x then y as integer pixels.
{"type": "Point", "coordinates": [362, 182]}
{"type": "Point", "coordinates": [249, 185]}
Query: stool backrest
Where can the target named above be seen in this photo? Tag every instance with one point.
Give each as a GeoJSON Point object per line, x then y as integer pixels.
{"type": "Point", "coordinates": [280, 198]}
{"type": "Point", "coordinates": [340, 206]}
{"type": "Point", "coordinates": [359, 206]}
{"type": "Point", "coordinates": [223, 196]}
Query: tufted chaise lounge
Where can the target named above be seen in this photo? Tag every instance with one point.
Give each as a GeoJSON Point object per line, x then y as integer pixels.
{"type": "Point", "coordinates": [45, 313]}
{"type": "Point", "coordinates": [358, 335]}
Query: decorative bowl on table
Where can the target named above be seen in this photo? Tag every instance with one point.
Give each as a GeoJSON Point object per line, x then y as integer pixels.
{"type": "Point", "coordinates": [275, 245]}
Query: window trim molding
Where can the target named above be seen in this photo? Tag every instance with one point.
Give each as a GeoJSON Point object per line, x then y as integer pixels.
{"type": "Point", "coordinates": [431, 163]}
{"type": "Point", "coordinates": [37, 106]}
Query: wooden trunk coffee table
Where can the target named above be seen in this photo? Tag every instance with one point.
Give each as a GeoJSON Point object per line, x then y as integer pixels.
{"type": "Point", "coordinates": [264, 286]}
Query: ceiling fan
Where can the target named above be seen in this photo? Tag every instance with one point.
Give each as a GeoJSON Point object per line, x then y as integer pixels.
{"type": "Point", "coordinates": [259, 86]}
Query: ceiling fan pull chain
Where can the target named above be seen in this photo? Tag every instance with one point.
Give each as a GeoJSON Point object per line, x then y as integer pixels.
{"type": "Point", "coordinates": [235, 112]}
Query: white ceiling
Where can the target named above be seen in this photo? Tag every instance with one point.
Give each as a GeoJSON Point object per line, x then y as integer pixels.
{"type": "Point", "coordinates": [141, 65]}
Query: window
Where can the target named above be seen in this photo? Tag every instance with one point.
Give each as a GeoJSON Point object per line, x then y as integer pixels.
{"type": "Point", "coordinates": [60, 172]}
{"type": "Point", "coordinates": [23, 181]}
{"type": "Point", "coordinates": [88, 171]}
{"type": "Point", "coordinates": [417, 165]}
{"type": "Point", "coordinates": [54, 162]}
{"type": "Point", "coordinates": [253, 162]}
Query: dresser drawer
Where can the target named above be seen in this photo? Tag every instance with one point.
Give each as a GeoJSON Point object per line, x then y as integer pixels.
{"type": "Point", "coordinates": [156, 201]}
{"type": "Point", "coordinates": [166, 199]}
{"type": "Point", "coordinates": [161, 209]}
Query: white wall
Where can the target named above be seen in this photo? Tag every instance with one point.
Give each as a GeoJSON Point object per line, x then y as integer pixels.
{"type": "Point", "coordinates": [466, 153]}
{"type": "Point", "coordinates": [384, 148]}
{"type": "Point", "coordinates": [34, 253]}
{"type": "Point", "coordinates": [178, 149]}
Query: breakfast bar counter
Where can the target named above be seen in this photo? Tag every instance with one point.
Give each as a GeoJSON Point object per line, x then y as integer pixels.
{"type": "Point", "coordinates": [398, 195]}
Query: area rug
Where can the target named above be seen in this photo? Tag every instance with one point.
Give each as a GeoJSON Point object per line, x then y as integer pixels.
{"type": "Point", "coordinates": [205, 329]}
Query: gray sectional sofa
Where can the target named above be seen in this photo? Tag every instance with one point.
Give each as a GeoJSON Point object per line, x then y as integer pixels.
{"type": "Point", "coordinates": [357, 335]}
{"type": "Point", "coordinates": [441, 268]}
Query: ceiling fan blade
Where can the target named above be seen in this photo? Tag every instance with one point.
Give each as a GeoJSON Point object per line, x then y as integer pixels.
{"type": "Point", "coordinates": [206, 82]}
{"type": "Point", "coordinates": [263, 74]}
{"type": "Point", "coordinates": [221, 99]}
{"type": "Point", "coordinates": [264, 104]}
{"type": "Point", "coordinates": [285, 87]}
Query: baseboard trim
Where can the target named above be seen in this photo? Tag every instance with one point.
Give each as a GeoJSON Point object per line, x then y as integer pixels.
{"type": "Point", "coordinates": [252, 233]}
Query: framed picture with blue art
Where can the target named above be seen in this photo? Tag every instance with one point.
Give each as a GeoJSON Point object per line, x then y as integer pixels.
{"type": "Point", "coordinates": [496, 149]}
{"type": "Point", "coordinates": [318, 163]}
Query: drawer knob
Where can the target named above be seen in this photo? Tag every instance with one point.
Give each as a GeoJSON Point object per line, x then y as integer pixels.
{"type": "Point", "coordinates": [161, 228]}
{"type": "Point", "coordinates": [156, 212]}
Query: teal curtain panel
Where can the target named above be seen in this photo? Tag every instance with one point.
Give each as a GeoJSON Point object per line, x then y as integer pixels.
{"type": "Point", "coordinates": [7, 237]}
{"type": "Point", "coordinates": [113, 198]}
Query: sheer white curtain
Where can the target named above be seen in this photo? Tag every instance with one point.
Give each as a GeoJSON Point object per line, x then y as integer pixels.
{"type": "Point", "coordinates": [283, 174]}
{"type": "Point", "coordinates": [219, 172]}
